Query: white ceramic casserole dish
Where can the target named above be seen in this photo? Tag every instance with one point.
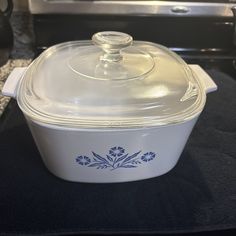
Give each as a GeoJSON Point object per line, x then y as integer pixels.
{"type": "Point", "coordinates": [110, 109]}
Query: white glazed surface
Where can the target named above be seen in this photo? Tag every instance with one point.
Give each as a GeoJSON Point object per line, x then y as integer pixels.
{"type": "Point", "coordinates": [60, 147]}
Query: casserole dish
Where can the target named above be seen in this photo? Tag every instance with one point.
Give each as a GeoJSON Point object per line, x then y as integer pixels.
{"type": "Point", "coordinates": [110, 109]}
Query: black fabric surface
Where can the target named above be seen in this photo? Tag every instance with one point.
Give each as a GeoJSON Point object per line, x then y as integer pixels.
{"type": "Point", "coordinates": [198, 194]}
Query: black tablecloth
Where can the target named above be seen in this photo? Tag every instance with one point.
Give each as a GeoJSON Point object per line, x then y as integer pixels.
{"type": "Point", "coordinates": [198, 194]}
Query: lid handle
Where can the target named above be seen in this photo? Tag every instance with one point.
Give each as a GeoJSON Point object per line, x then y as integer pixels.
{"type": "Point", "coordinates": [112, 43]}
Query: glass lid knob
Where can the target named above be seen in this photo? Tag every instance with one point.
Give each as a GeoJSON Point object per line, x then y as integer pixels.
{"type": "Point", "coordinates": [111, 56]}
{"type": "Point", "coordinates": [112, 43]}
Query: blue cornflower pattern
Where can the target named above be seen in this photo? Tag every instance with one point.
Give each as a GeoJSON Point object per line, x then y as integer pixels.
{"type": "Point", "coordinates": [83, 160]}
{"type": "Point", "coordinates": [148, 156]}
{"type": "Point", "coordinates": [117, 151]}
{"type": "Point", "coordinates": [116, 158]}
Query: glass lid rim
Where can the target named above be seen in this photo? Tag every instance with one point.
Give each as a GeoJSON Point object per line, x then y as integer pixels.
{"type": "Point", "coordinates": [31, 111]}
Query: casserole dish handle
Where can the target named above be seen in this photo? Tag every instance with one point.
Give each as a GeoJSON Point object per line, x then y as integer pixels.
{"type": "Point", "coordinates": [12, 82]}
{"type": "Point", "coordinates": [207, 82]}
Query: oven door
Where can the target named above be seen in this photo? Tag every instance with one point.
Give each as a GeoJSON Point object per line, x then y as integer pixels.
{"type": "Point", "coordinates": [201, 32]}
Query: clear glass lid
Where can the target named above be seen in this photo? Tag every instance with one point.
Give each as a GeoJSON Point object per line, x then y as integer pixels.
{"type": "Point", "coordinates": [110, 81]}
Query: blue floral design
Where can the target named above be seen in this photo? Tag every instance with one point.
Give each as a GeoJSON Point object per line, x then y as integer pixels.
{"type": "Point", "coordinates": [116, 151]}
{"type": "Point", "coordinates": [148, 156]}
{"type": "Point", "coordinates": [117, 158]}
{"type": "Point", "coordinates": [83, 160]}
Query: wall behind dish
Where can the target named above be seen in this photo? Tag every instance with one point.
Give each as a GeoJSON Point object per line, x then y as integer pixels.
{"type": "Point", "coordinates": [19, 5]}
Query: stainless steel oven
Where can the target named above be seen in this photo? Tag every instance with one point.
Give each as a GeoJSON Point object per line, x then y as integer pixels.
{"type": "Point", "coordinates": [200, 31]}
